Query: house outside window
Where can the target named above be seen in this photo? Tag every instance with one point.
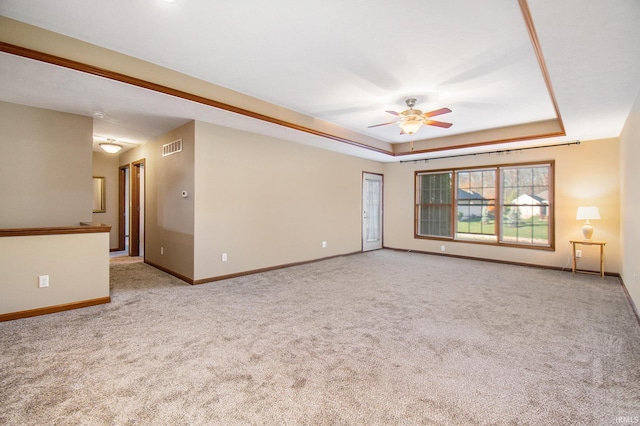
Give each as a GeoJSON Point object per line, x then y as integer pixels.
{"type": "Point", "coordinates": [504, 205]}
{"type": "Point", "coordinates": [476, 201]}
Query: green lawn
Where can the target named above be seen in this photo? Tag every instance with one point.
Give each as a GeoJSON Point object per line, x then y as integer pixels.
{"type": "Point", "coordinates": [532, 228]}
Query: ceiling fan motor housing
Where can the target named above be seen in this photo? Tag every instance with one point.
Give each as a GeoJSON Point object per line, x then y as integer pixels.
{"type": "Point", "coordinates": [411, 112]}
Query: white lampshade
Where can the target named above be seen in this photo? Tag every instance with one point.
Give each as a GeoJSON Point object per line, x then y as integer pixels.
{"type": "Point", "coordinates": [411, 126]}
{"type": "Point", "coordinates": [587, 213]}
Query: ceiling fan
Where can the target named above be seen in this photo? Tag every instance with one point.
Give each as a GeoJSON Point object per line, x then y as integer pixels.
{"type": "Point", "coordinates": [411, 120]}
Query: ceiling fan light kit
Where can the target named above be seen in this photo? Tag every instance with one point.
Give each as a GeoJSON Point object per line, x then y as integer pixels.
{"type": "Point", "coordinates": [411, 125]}
{"type": "Point", "coordinates": [412, 120]}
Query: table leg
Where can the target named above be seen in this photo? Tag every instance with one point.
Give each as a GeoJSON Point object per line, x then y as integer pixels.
{"type": "Point", "coordinates": [573, 258]}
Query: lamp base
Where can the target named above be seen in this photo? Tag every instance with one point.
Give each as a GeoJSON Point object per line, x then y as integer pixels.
{"type": "Point", "coordinates": [587, 231]}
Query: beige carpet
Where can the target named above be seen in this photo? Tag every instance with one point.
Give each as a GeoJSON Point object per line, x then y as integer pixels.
{"type": "Point", "coordinates": [371, 339]}
{"type": "Point", "coordinates": [123, 257]}
{"type": "Point", "coordinates": [126, 259]}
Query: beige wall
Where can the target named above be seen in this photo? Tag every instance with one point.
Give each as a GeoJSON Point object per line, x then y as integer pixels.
{"type": "Point", "coordinates": [267, 202]}
{"type": "Point", "coordinates": [586, 174]}
{"type": "Point", "coordinates": [77, 265]}
{"type": "Point", "coordinates": [169, 218]}
{"type": "Point", "coordinates": [45, 167]}
{"type": "Point", "coordinates": [106, 165]}
{"type": "Point", "coordinates": [630, 202]}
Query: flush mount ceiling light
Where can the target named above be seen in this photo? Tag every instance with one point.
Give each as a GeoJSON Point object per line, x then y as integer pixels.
{"type": "Point", "coordinates": [110, 146]}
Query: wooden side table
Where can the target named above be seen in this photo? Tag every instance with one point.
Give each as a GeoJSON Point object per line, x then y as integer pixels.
{"type": "Point", "coordinates": [574, 268]}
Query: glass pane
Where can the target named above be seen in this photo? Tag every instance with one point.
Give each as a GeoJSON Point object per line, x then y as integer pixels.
{"type": "Point", "coordinates": [434, 204]}
{"type": "Point", "coordinates": [475, 200]}
{"type": "Point", "coordinates": [525, 211]}
{"type": "Point", "coordinates": [372, 207]}
{"type": "Point", "coordinates": [435, 221]}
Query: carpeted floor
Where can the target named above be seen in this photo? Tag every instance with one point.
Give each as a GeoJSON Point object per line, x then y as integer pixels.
{"type": "Point", "coordinates": [376, 338]}
{"type": "Point", "coordinates": [123, 257]}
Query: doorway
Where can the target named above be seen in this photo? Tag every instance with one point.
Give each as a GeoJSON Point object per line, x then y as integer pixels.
{"type": "Point", "coordinates": [131, 208]}
{"type": "Point", "coordinates": [123, 208]}
{"type": "Point", "coordinates": [136, 230]}
{"type": "Point", "coordinates": [371, 211]}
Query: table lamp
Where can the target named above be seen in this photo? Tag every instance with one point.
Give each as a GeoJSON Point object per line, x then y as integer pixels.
{"type": "Point", "coordinates": [587, 213]}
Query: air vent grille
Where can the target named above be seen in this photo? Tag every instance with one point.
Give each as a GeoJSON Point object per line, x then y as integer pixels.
{"type": "Point", "coordinates": [172, 148]}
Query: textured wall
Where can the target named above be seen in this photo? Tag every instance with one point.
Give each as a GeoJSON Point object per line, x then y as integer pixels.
{"type": "Point", "coordinates": [268, 202]}
{"type": "Point", "coordinates": [169, 218]}
{"type": "Point", "coordinates": [630, 202]}
{"type": "Point", "coordinates": [45, 167]}
{"type": "Point", "coordinates": [106, 165]}
{"type": "Point", "coordinates": [77, 266]}
{"type": "Point", "coordinates": [585, 174]}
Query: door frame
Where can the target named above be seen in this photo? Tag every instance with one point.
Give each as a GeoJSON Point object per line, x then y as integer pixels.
{"type": "Point", "coordinates": [136, 218]}
{"type": "Point", "coordinates": [122, 206]}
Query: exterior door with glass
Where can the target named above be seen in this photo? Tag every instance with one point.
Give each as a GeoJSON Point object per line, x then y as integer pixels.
{"type": "Point", "coordinates": [371, 211]}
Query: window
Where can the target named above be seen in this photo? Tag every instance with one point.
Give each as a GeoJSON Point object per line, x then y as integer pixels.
{"type": "Point", "coordinates": [434, 208]}
{"type": "Point", "coordinates": [476, 202]}
{"type": "Point", "coordinates": [508, 205]}
{"type": "Point", "coordinates": [525, 204]}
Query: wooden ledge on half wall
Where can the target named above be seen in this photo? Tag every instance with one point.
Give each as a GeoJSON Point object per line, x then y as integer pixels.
{"type": "Point", "coordinates": [82, 228]}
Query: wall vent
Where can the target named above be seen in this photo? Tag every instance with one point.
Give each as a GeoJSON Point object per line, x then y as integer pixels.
{"type": "Point", "coordinates": [172, 148]}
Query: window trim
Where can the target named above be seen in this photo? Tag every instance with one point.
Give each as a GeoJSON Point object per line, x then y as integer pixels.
{"type": "Point", "coordinates": [498, 208]}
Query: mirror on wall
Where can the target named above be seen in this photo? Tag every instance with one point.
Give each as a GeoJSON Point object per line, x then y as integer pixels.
{"type": "Point", "coordinates": [99, 204]}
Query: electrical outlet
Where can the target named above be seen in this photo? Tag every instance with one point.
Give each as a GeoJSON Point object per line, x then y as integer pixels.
{"type": "Point", "coordinates": [441, 248]}
{"type": "Point", "coordinates": [224, 257]}
{"type": "Point", "coordinates": [578, 253]}
{"type": "Point", "coordinates": [43, 281]}
{"type": "Point", "coordinates": [324, 244]}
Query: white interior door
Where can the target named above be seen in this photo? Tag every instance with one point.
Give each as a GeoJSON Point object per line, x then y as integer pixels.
{"type": "Point", "coordinates": [371, 211]}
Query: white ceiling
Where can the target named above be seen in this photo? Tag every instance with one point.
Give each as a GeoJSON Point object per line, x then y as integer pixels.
{"type": "Point", "coordinates": [345, 62]}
